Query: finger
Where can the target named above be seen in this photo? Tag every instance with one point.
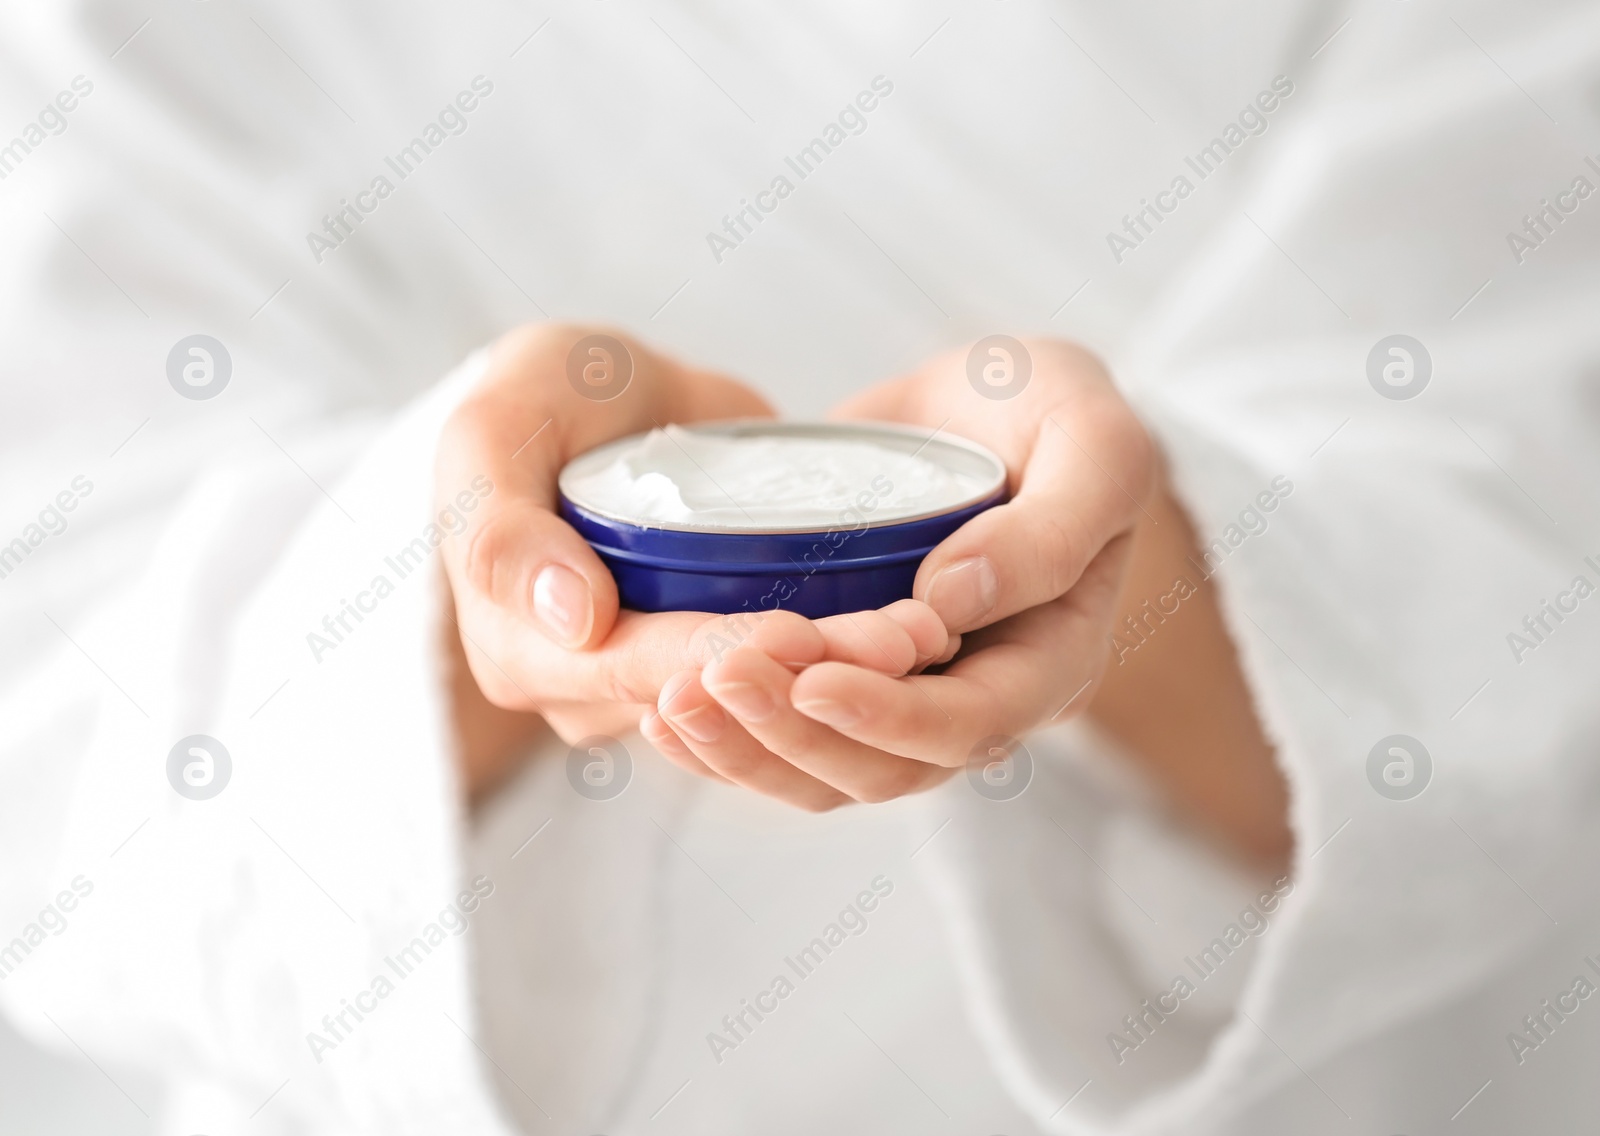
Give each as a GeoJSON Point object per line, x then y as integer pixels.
{"type": "Point", "coordinates": [927, 631]}
{"type": "Point", "coordinates": [1069, 504]}
{"type": "Point", "coordinates": [518, 668]}
{"type": "Point", "coordinates": [792, 639]}
{"type": "Point", "coordinates": [869, 639]}
{"type": "Point", "coordinates": [512, 435]}
{"type": "Point", "coordinates": [754, 691]}
{"type": "Point", "coordinates": [924, 717]}
{"type": "Point", "coordinates": [527, 560]}
{"type": "Point", "coordinates": [1017, 680]}
{"type": "Point", "coordinates": [502, 451]}
{"type": "Point", "coordinates": [704, 729]}
{"type": "Point", "coordinates": [536, 420]}
{"type": "Point", "coordinates": [950, 652]}
{"type": "Point", "coordinates": [656, 731]}
{"type": "Point", "coordinates": [514, 549]}
{"type": "Point", "coordinates": [899, 638]}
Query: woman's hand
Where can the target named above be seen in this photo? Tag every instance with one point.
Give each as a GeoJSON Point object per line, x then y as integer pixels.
{"type": "Point", "coordinates": [1033, 583]}
{"type": "Point", "coordinates": [536, 609]}
{"type": "Point", "coordinates": [692, 728]}
{"type": "Point", "coordinates": [536, 631]}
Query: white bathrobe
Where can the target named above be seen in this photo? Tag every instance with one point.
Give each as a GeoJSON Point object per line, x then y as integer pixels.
{"type": "Point", "coordinates": [1234, 208]}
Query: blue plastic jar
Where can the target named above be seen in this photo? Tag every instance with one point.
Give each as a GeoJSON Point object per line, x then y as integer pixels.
{"type": "Point", "coordinates": [855, 565]}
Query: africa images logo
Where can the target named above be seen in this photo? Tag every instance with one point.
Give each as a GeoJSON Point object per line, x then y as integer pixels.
{"type": "Point", "coordinates": [999, 367]}
{"type": "Point", "coordinates": [1399, 767]}
{"type": "Point", "coordinates": [599, 767]}
{"type": "Point", "coordinates": [199, 767]}
{"type": "Point", "coordinates": [1399, 367]}
{"type": "Point", "coordinates": [599, 367]}
{"type": "Point", "coordinates": [199, 367]}
{"type": "Point", "coordinates": [999, 768]}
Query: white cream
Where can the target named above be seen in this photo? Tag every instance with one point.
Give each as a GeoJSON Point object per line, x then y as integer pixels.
{"type": "Point", "coordinates": [685, 478]}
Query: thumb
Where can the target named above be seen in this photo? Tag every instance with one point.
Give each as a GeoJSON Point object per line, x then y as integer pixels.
{"type": "Point", "coordinates": [515, 551]}
{"type": "Point", "coordinates": [1068, 507]}
{"type": "Point", "coordinates": [528, 561]}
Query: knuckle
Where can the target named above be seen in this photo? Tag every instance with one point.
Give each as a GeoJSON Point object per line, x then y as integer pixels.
{"type": "Point", "coordinates": [486, 549]}
{"type": "Point", "coordinates": [621, 678]}
{"type": "Point", "coordinates": [774, 626]}
{"type": "Point", "coordinates": [887, 642]}
{"type": "Point", "coordinates": [1061, 548]}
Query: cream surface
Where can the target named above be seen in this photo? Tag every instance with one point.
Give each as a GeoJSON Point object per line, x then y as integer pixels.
{"type": "Point", "coordinates": [676, 476]}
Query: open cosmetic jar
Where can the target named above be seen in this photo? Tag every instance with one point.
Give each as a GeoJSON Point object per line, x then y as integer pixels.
{"type": "Point", "coordinates": [751, 515]}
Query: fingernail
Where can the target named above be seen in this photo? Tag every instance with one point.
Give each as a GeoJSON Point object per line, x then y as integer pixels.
{"type": "Point", "coordinates": [830, 713]}
{"type": "Point", "coordinates": [963, 593]}
{"type": "Point", "coordinates": [950, 652]}
{"type": "Point", "coordinates": [562, 602]}
{"type": "Point", "coordinates": [745, 699]}
{"type": "Point", "coordinates": [702, 721]}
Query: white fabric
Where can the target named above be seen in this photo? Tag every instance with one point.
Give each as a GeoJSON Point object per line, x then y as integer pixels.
{"type": "Point", "coordinates": [217, 534]}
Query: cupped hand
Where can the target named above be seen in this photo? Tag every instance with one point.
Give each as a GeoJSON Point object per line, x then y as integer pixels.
{"type": "Point", "coordinates": [536, 609]}
{"type": "Point", "coordinates": [732, 720]}
{"type": "Point", "coordinates": [1033, 583]}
